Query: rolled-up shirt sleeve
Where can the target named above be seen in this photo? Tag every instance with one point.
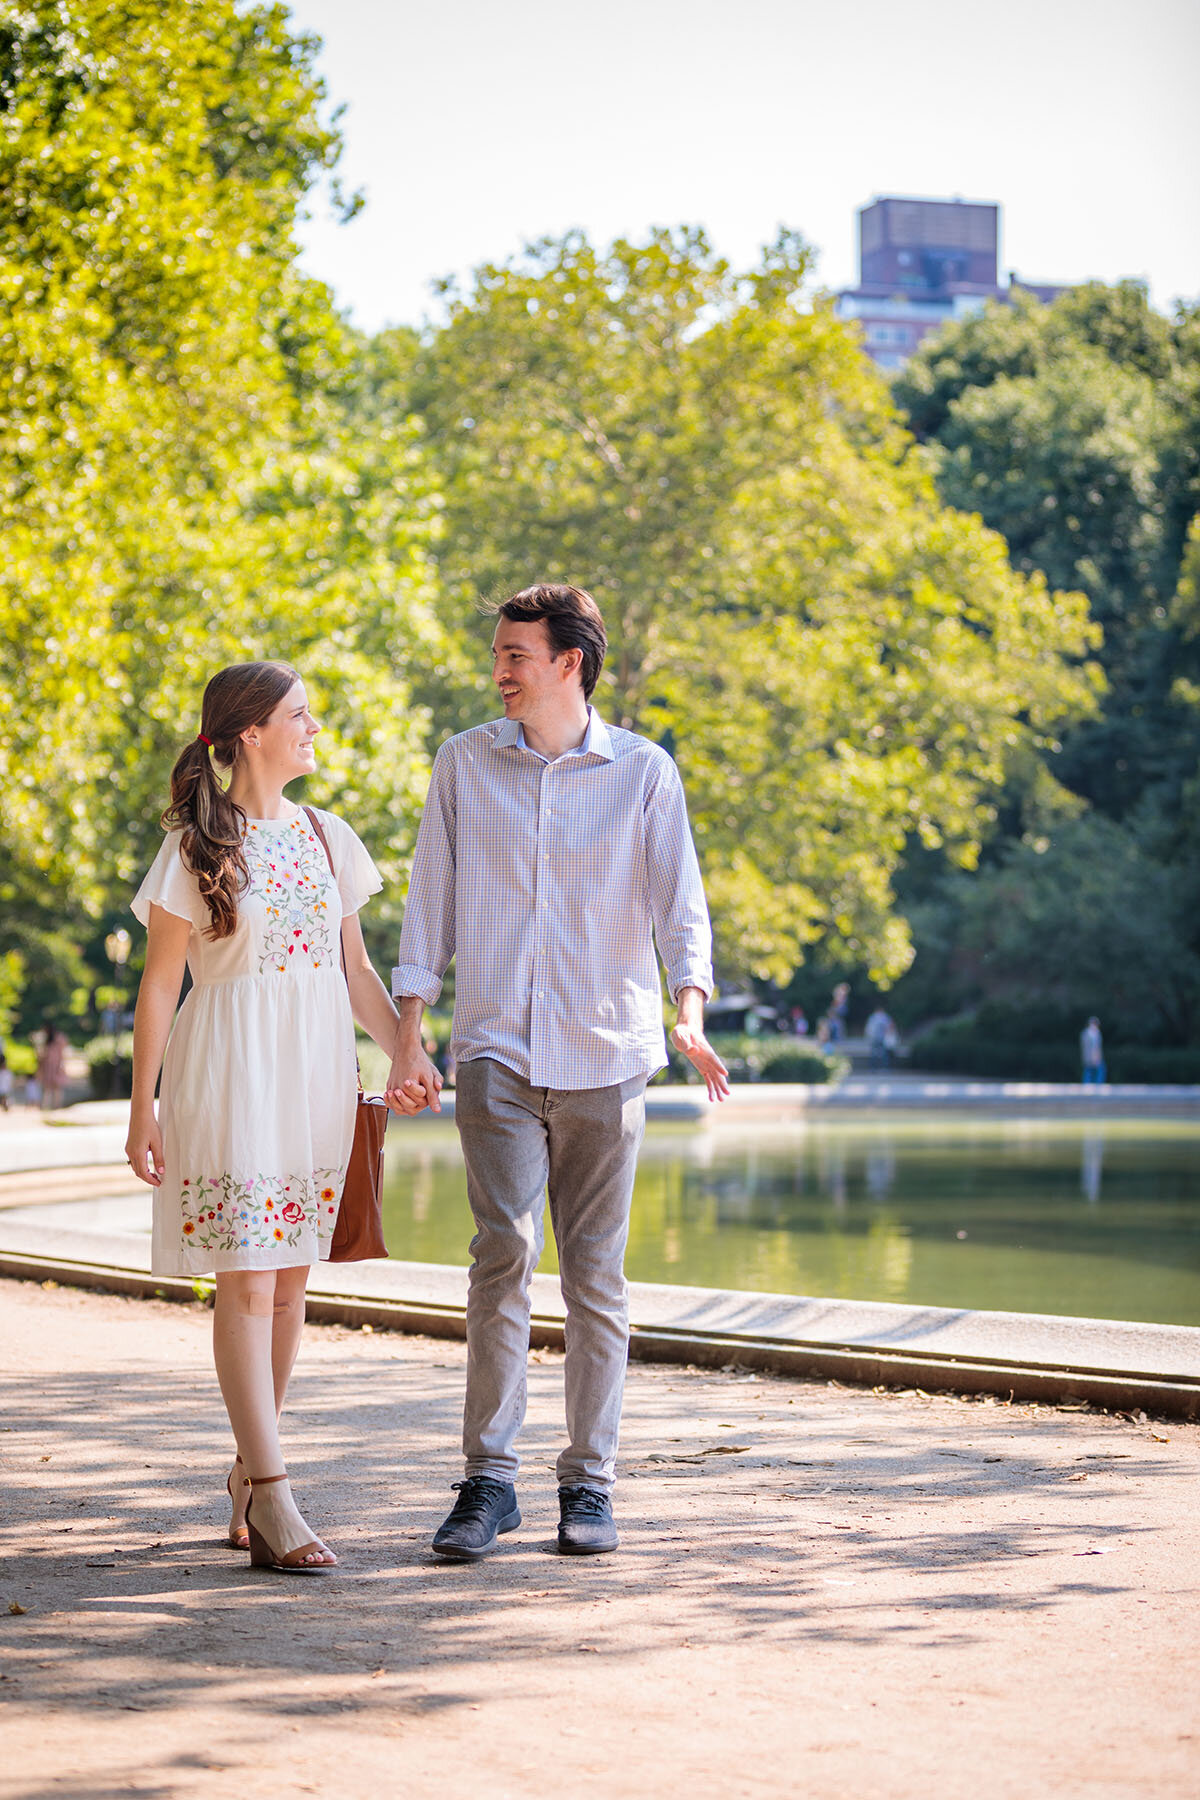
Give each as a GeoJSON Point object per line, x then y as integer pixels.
{"type": "Point", "coordinates": [427, 937]}
{"type": "Point", "coordinates": [679, 910]}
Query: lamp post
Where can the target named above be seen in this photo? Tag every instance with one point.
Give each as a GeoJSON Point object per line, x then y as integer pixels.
{"type": "Point", "coordinates": [117, 945]}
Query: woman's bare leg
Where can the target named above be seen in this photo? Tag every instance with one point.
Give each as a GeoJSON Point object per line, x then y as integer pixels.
{"type": "Point", "coordinates": [287, 1328]}
{"type": "Point", "coordinates": [243, 1340]}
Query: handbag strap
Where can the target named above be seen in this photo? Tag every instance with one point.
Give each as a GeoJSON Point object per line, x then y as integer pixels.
{"type": "Point", "coordinates": [313, 820]}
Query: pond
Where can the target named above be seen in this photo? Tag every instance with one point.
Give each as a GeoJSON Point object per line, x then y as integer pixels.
{"type": "Point", "coordinates": [1050, 1216]}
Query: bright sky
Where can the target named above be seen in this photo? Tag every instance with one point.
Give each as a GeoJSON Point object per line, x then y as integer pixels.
{"type": "Point", "coordinates": [475, 125]}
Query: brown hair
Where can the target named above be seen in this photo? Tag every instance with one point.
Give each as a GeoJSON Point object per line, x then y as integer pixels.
{"type": "Point", "coordinates": [572, 620]}
{"type": "Point", "coordinates": [243, 695]}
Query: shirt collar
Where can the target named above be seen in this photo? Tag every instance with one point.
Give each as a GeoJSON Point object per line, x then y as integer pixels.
{"type": "Point", "coordinates": [596, 739]}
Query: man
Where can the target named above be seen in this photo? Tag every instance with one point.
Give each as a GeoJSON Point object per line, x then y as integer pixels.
{"type": "Point", "coordinates": [1091, 1054]}
{"type": "Point", "coordinates": [881, 1035]}
{"type": "Point", "coordinates": [553, 852]}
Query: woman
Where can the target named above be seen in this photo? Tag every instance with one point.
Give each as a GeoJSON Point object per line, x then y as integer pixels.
{"type": "Point", "coordinates": [256, 1115]}
{"type": "Point", "coordinates": [51, 1068]}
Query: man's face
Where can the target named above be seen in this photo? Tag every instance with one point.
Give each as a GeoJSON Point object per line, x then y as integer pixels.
{"type": "Point", "coordinates": [526, 672]}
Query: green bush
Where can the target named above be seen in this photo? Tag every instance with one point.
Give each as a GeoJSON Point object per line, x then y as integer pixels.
{"type": "Point", "coordinates": [110, 1066]}
{"type": "Point", "coordinates": [967, 1047]}
{"type": "Point", "coordinates": [963, 1047]}
{"type": "Point", "coordinates": [21, 1059]}
{"type": "Point", "coordinates": [809, 1065]}
{"type": "Point", "coordinates": [1131, 1062]}
{"type": "Point", "coordinates": [761, 1058]}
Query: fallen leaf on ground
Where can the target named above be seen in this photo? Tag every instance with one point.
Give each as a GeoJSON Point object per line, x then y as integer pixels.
{"type": "Point", "coordinates": [14, 1606]}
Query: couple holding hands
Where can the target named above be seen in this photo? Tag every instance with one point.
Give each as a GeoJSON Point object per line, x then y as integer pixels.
{"type": "Point", "coordinates": [553, 854]}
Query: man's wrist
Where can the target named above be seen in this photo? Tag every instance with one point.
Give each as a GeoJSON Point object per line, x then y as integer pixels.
{"type": "Point", "coordinates": [410, 1010]}
{"type": "Point", "coordinates": [690, 1002]}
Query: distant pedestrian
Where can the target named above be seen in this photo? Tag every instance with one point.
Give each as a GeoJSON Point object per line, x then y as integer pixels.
{"type": "Point", "coordinates": [838, 1008]}
{"type": "Point", "coordinates": [51, 1068]}
{"type": "Point", "coordinates": [882, 1037]}
{"type": "Point", "coordinates": [6, 1081]}
{"type": "Point", "coordinates": [1091, 1054]}
{"type": "Point", "coordinates": [799, 1022]}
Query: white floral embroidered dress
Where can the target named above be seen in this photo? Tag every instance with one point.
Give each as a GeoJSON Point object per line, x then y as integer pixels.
{"type": "Point", "coordinates": [258, 1086]}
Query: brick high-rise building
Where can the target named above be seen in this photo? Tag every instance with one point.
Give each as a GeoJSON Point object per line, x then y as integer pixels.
{"type": "Point", "coordinates": [922, 262]}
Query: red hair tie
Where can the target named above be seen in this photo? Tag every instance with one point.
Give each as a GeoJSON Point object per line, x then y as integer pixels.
{"type": "Point", "coordinates": [204, 740]}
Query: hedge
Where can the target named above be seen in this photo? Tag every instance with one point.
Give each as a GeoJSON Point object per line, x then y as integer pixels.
{"type": "Point", "coordinates": [761, 1058]}
{"type": "Point", "coordinates": [960, 1048]}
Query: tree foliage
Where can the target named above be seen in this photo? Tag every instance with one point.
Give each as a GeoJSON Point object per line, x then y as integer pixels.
{"type": "Point", "coordinates": [184, 479]}
{"type": "Point", "coordinates": [199, 462]}
{"type": "Point", "coordinates": [841, 665]}
{"type": "Point", "coordinates": [1088, 920]}
{"type": "Point", "coordinates": [1074, 430]}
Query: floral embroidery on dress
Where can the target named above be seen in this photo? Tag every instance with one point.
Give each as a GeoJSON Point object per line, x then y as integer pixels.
{"type": "Point", "coordinates": [290, 871]}
{"type": "Point", "coordinates": [223, 1212]}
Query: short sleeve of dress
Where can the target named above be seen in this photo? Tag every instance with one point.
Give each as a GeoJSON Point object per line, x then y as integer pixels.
{"type": "Point", "coordinates": [172, 886]}
{"type": "Point", "coordinates": [357, 876]}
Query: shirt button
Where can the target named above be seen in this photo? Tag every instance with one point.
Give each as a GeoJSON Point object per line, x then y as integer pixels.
{"type": "Point", "coordinates": [541, 993]}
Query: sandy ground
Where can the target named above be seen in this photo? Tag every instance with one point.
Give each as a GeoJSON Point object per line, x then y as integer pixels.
{"type": "Point", "coordinates": [821, 1591]}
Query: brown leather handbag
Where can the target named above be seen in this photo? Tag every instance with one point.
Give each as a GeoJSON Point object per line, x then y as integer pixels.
{"type": "Point", "coordinates": [358, 1232]}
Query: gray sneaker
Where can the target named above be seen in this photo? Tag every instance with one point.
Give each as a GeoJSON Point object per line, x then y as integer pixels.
{"type": "Point", "coordinates": [585, 1522]}
{"type": "Point", "coordinates": [483, 1510]}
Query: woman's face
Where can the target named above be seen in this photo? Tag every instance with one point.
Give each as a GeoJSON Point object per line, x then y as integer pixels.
{"type": "Point", "coordinates": [285, 743]}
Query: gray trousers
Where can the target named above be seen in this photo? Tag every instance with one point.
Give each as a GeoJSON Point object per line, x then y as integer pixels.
{"type": "Point", "coordinates": [518, 1143]}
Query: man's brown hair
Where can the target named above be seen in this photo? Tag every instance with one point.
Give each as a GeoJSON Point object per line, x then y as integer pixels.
{"type": "Point", "coordinates": [572, 620]}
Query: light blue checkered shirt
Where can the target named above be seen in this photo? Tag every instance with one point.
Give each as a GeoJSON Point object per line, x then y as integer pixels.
{"type": "Point", "coordinates": [549, 882]}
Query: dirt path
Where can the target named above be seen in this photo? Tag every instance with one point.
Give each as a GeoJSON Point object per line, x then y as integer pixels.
{"type": "Point", "coordinates": [821, 1592]}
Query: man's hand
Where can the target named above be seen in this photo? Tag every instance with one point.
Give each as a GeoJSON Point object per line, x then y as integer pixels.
{"type": "Point", "coordinates": [689, 1039]}
{"type": "Point", "coordinates": [413, 1083]}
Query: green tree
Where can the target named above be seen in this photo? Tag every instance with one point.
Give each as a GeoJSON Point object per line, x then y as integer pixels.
{"type": "Point", "coordinates": [186, 475]}
{"type": "Point", "coordinates": [1074, 430]}
{"type": "Point", "coordinates": [1086, 921]}
{"type": "Point", "coordinates": [841, 665]}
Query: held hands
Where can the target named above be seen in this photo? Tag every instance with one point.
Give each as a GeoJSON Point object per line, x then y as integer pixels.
{"type": "Point", "coordinates": [689, 1039]}
{"type": "Point", "coordinates": [413, 1083]}
{"type": "Point", "coordinates": [144, 1149]}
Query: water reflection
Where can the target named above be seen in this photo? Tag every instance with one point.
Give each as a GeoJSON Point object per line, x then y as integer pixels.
{"type": "Point", "coordinates": [1011, 1215]}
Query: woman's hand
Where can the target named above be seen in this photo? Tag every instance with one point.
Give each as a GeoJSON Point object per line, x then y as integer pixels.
{"type": "Point", "coordinates": [144, 1148]}
{"type": "Point", "coordinates": [413, 1083]}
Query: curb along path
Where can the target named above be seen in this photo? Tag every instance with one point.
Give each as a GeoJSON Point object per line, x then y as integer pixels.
{"type": "Point", "coordinates": [49, 1230]}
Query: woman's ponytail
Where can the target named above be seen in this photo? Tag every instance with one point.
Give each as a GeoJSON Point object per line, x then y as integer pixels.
{"type": "Point", "coordinates": [213, 825]}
